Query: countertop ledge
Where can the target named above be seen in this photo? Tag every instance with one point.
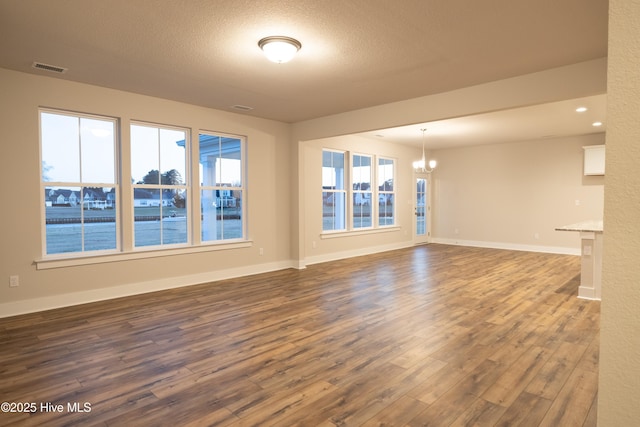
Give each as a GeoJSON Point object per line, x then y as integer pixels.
{"type": "Point", "coordinates": [592, 225]}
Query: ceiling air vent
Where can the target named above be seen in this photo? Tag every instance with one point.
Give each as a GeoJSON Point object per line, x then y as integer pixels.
{"type": "Point", "coordinates": [242, 107]}
{"type": "Point", "coordinates": [47, 67]}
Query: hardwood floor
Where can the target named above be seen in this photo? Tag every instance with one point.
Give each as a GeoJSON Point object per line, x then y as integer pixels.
{"type": "Point", "coordinates": [428, 336]}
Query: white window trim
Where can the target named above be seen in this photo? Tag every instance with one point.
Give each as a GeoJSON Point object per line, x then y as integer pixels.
{"type": "Point", "coordinates": [117, 184]}
{"type": "Point", "coordinates": [77, 260]}
{"type": "Point", "coordinates": [345, 190]}
{"type": "Point", "coordinates": [358, 232]}
{"type": "Point", "coordinates": [125, 249]}
{"type": "Point", "coordinates": [187, 186]}
{"type": "Point", "coordinates": [375, 227]}
{"type": "Point", "coordinates": [372, 176]}
{"type": "Point", "coordinates": [393, 193]}
{"type": "Point", "coordinates": [196, 189]}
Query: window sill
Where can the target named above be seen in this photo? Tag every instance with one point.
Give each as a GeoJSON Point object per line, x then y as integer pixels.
{"type": "Point", "coordinates": [75, 260]}
{"type": "Point", "coordinates": [349, 233]}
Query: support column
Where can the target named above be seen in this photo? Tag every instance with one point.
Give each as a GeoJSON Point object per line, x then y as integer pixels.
{"type": "Point", "coordinates": [591, 270]}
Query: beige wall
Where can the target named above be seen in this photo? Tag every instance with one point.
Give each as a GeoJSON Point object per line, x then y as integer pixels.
{"type": "Point", "coordinates": [319, 247]}
{"type": "Point", "coordinates": [574, 81]}
{"type": "Point", "coordinates": [274, 163]}
{"type": "Point", "coordinates": [515, 195]}
{"type": "Point", "coordinates": [619, 389]}
{"type": "Point", "coordinates": [282, 215]}
{"type": "Point", "coordinates": [502, 195]}
{"type": "Point", "coordinates": [268, 187]}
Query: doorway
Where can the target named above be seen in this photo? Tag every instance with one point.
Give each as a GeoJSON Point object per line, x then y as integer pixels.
{"type": "Point", "coordinates": [422, 210]}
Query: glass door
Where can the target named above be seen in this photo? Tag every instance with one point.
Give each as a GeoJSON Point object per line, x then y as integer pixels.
{"type": "Point", "coordinates": [422, 210]}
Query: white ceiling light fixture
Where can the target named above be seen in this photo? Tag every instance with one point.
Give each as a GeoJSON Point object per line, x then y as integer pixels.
{"type": "Point", "coordinates": [279, 49]}
{"type": "Point", "coordinates": [421, 165]}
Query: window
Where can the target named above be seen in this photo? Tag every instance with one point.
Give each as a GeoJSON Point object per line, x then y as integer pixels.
{"type": "Point", "coordinates": [158, 169]}
{"type": "Point", "coordinates": [81, 185]}
{"type": "Point", "coordinates": [221, 187]}
{"type": "Point", "coordinates": [334, 193]}
{"type": "Point", "coordinates": [78, 182]}
{"type": "Point", "coordinates": [363, 210]}
{"type": "Point", "coordinates": [362, 191]}
{"type": "Point", "coordinates": [386, 193]}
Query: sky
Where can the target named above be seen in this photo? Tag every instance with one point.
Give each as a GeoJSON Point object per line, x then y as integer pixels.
{"type": "Point", "coordinates": [73, 145]}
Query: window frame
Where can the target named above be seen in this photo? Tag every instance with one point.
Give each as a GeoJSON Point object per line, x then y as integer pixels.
{"type": "Point", "coordinates": [350, 193]}
{"type": "Point", "coordinates": [200, 187]}
{"type": "Point", "coordinates": [343, 192]}
{"type": "Point", "coordinates": [390, 194]}
{"type": "Point", "coordinates": [124, 188]}
{"type": "Point", "coordinates": [185, 186]}
{"type": "Point", "coordinates": [362, 193]}
{"type": "Point", "coordinates": [82, 185]}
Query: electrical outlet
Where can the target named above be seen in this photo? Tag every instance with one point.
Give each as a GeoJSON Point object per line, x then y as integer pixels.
{"type": "Point", "coordinates": [261, 251]}
{"type": "Point", "coordinates": [14, 281]}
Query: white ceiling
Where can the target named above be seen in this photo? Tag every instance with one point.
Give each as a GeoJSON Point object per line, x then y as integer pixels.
{"type": "Point", "coordinates": [552, 120]}
{"type": "Point", "coordinates": [355, 53]}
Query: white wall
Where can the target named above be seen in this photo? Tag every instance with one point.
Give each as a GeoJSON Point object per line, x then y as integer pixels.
{"type": "Point", "coordinates": [282, 214]}
{"type": "Point", "coordinates": [321, 247]}
{"type": "Point", "coordinates": [514, 195]}
{"type": "Point", "coordinates": [268, 203]}
{"type": "Point", "coordinates": [573, 81]}
{"type": "Point", "coordinates": [619, 387]}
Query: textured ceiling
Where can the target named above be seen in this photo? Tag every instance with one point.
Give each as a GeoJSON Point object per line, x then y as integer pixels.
{"type": "Point", "coordinates": [535, 122]}
{"type": "Point", "coordinates": [355, 53]}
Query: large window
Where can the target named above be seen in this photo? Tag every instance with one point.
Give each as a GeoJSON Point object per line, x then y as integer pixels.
{"type": "Point", "coordinates": [361, 178]}
{"type": "Point", "coordinates": [79, 182]}
{"type": "Point", "coordinates": [334, 193]}
{"type": "Point", "coordinates": [386, 192]}
{"type": "Point", "coordinates": [159, 170]}
{"type": "Point", "coordinates": [168, 205]}
{"type": "Point", "coordinates": [221, 187]}
{"type": "Point", "coordinates": [372, 206]}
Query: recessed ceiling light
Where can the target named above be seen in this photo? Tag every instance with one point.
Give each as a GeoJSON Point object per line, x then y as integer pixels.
{"type": "Point", "coordinates": [596, 124]}
{"type": "Point", "coordinates": [581, 109]}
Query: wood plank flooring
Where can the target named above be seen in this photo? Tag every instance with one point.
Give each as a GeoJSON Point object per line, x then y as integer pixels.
{"type": "Point", "coordinates": [434, 335]}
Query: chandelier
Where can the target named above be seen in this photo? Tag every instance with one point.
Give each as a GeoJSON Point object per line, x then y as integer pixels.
{"type": "Point", "coordinates": [421, 165]}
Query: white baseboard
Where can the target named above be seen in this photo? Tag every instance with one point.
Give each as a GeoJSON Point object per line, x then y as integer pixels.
{"type": "Point", "coordinates": [65, 300]}
{"type": "Point", "coordinates": [334, 256]}
{"type": "Point", "coordinates": [510, 246]}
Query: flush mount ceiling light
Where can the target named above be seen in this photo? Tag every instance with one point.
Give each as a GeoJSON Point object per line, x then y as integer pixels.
{"type": "Point", "coordinates": [279, 48]}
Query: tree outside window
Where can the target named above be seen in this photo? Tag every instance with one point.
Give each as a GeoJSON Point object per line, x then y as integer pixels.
{"type": "Point", "coordinates": [158, 166]}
